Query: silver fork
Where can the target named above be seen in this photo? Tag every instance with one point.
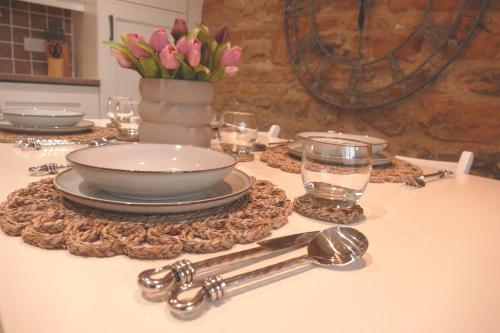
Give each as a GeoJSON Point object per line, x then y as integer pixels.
{"type": "Point", "coordinates": [419, 182]}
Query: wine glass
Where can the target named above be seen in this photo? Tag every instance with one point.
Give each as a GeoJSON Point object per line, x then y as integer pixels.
{"type": "Point", "coordinates": [238, 133]}
{"type": "Point", "coordinates": [126, 117]}
{"type": "Point", "coordinates": [336, 169]}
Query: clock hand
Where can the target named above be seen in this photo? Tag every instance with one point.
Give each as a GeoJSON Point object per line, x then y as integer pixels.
{"type": "Point", "coordinates": [361, 15]}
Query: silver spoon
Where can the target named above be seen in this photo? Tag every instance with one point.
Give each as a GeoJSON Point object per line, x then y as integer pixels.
{"type": "Point", "coordinates": [337, 246]}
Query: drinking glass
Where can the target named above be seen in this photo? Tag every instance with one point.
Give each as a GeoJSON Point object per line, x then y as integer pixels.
{"type": "Point", "coordinates": [237, 133]}
{"type": "Point", "coordinates": [112, 104]}
{"type": "Point", "coordinates": [336, 169]}
{"type": "Point", "coordinates": [126, 117]}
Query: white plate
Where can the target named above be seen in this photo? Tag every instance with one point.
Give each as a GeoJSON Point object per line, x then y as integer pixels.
{"type": "Point", "coordinates": [40, 117]}
{"type": "Point", "coordinates": [151, 171]}
{"type": "Point", "coordinates": [83, 125]}
{"type": "Point", "coordinates": [380, 159]}
{"type": "Point", "coordinates": [377, 143]}
{"type": "Point", "coordinates": [73, 187]}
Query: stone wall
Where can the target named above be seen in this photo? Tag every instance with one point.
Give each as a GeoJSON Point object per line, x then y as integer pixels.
{"type": "Point", "coordinates": [459, 111]}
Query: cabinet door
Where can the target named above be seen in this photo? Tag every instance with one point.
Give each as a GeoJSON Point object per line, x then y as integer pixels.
{"type": "Point", "coordinates": [116, 18]}
{"type": "Point", "coordinates": [86, 99]}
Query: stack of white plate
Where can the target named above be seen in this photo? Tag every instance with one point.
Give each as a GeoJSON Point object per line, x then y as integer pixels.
{"type": "Point", "coordinates": [44, 120]}
{"type": "Point", "coordinates": [152, 178]}
{"type": "Point", "coordinates": [380, 157]}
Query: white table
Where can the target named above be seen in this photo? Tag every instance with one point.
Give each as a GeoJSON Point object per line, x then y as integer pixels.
{"type": "Point", "coordinates": [433, 265]}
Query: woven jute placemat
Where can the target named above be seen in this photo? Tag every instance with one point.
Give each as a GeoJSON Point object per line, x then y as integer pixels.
{"type": "Point", "coordinates": [279, 157]}
{"type": "Point", "coordinates": [321, 209]}
{"type": "Point", "coordinates": [92, 134]}
{"type": "Point", "coordinates": [43, 218]}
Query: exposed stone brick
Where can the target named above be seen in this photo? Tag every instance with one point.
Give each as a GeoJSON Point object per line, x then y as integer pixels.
{"type": "Point", "coordinates": [458, 111]}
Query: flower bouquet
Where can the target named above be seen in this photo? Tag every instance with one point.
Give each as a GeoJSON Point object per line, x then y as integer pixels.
{"type": "Point", "coordinates": [185, 55]}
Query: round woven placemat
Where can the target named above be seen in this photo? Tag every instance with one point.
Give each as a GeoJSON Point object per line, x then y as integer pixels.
{"type": "Point", "coordinates": [321, 209]}
{"type": "Point", "coordinates": [43, 218]}
{"type": "Point", "coordinates": [278, 157]}
{"type": "Point", "coordinates": [92, 134]}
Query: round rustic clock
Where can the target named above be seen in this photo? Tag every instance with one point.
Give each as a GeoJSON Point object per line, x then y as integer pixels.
{"type": "Point", "coordinates": [363, 54]}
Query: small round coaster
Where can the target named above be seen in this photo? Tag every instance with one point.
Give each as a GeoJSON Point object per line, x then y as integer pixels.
{"type": "Point", "coordinates": [320, 209]}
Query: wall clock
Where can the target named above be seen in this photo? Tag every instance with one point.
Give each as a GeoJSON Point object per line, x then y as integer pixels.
{"type": "Point", "coordinates": [362, 54]}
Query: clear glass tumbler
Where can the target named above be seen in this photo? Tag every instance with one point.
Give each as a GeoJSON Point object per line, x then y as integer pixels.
{"type": "Point", "coordinates": [336, 169]}
{"type": "Point", "coordinates": [237, 132]}
{"type": "Point", "coordinates": [127, 117]}
{"type": "Point", "coordinates": [112, 104]}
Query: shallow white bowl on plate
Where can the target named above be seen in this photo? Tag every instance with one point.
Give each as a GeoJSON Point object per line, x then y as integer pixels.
{"type": "Point", "coordinates": [40, 117]}
{"type": "Point", "coordinates": [151, 171]}
{"type": "Point", "coordinates": [377, 143]}
{"type": "Point", "coordinates": [75, 188]}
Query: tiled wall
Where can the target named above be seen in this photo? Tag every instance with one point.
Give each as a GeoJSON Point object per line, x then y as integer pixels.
{"type": "Point", "coordinates": [19, 19]}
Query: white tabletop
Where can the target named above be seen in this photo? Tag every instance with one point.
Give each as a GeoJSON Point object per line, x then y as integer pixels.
{"type": "Point", "coordinates": [432, 266]}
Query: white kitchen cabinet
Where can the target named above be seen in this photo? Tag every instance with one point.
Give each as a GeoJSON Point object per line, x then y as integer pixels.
{"type": "Point", "coordinates": [107, 20]}
{"type": "Point", "coordinates": [84, 98]}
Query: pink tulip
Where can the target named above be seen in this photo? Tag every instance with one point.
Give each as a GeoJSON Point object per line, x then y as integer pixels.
{"type": "Point", "coordinates": [182, 46]}
{"type": "Point", "coordinates": [168, 56]}
{"type": "Point", "coordinates": [137, 51]}
{"type": "Point", "coordinates": [158, 39]}
{"type": "Point", "coordinates": [231, 56]}
{"type": "Point", "coordinates": [123, 61]}
{"type": "Point", "coordinates": [194, 54]}
{"type": "Point", "coordinates": [180, 28]}
{"type": "Point", "coordinates": [231, 70]}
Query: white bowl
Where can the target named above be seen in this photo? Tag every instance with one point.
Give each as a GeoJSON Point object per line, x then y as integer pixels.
{"type": "Point", "coordinates": [377, 143]}
{"type": "Point", "coordinates": [40, 117]}
{"type": "Point", "coordinates": [151, 171]}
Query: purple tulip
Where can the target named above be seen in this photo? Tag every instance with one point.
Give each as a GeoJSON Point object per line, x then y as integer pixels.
{"type": "Point", "coordinates": [194, 54]}
{"type": "Point", "coordinates": [231, 56]}
{"type": "Point", "coordinates": [123, 61]}
{"type": "Point", "coordinates": [182, 46]}
{"type": "Point", "coordinates": [180, 28]}
{"type": "Point", "coordinates": [137, 51]}
{"type": "Point", "coordinates": [158, 39]}
{"type": "Point", "coordinates": [222, 35]}
{"type": "Point", "coordinates": [231, 70]}
{"type": "Point", "coordinates": [168, 56]}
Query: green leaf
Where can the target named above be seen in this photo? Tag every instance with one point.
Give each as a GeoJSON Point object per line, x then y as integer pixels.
{"type": "Point", "coordinates": [150, 66]}
{"type": "Point", "coordinates": [123, 49]}
{"type": "Point", "coordinates": [212, 47]}
{"type": "Point", "coordinates": [218, 53]}
{"type": "Point", "coordinates": [193, 33]}
{"type": "Point", "coordinates": [145, 46]}
{"type": "Point", "coordinates": [200, 68]}
{"type": "Point", "coordinates": [186, 72]}
{"type": "Point", "coordinates": [219, 73]}
{"type": "Point", "coordinates": [124, 38]}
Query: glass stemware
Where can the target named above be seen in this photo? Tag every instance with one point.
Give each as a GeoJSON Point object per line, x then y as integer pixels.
{"type": "Point", "coordinates": [237, 132]}
{"type": "Point", "coordinates": [336, 169]}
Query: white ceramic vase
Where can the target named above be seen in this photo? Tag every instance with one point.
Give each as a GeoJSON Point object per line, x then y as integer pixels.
{"type": "Point", "coordinates": [175, 111]}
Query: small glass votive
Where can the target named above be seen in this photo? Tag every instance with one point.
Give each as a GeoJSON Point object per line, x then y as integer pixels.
{"type": "Point", "coordinates": [336, 169]}
{"type": "Point", "coordinates": [237, 133]}
{"type": "Point", "coordinates": [127, 118]}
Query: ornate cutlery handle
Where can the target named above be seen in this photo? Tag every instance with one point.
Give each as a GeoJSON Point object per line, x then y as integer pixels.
{"type": "Point", "coordinates": [440, 174]}
{"type": "Point", "coordinates": [214, 288]}
{"type": "Point", "coordinates": [46, 169]}
{"type": "Point", "coordinates": [183, 271]}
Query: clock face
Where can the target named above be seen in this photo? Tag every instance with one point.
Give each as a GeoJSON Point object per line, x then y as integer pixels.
{"type": "Point", "coordinates": [362, 54]}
